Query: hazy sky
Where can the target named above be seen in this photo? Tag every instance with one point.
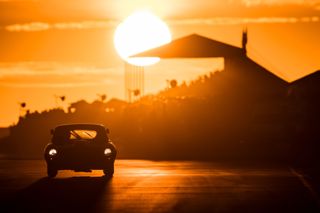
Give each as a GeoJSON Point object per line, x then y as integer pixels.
{"type": "Point", "coordinates": [59, 47]}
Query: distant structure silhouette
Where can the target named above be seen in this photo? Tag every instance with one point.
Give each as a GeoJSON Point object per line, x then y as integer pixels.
{"type": "Point", "coordinates": [306, 88]}
{"type": "Point", "coordinates": [244, 40]}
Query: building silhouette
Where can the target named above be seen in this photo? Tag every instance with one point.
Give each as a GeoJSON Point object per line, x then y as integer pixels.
{"type": "Point", "coordinates": [240, 73]}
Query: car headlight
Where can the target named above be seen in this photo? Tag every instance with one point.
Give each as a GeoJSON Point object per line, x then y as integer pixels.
{"type": "Point", "coordinates": [52, 152]}
{"type": "Point", "coordinates": [107, 151]}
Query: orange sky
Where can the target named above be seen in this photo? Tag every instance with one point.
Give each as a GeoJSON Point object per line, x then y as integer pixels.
{"type": "Point", "coordinates": [57, 47]}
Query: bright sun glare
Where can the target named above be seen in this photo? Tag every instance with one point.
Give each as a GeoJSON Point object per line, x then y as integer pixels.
{"type": "Point", "coordinates": [139, 32]}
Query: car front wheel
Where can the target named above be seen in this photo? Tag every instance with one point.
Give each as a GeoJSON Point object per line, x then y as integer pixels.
{"type": "Point", "coordinates": [109, 171]}
{"type": "Point", "coordinates": [52, 172]}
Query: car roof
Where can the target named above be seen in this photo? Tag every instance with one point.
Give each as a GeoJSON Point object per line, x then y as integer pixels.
{"type": "Point", "coordinates": [81, 126]}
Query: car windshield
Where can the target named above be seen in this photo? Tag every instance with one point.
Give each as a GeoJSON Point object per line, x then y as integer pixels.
{"type": "Point", "coordinates": [82, 134]}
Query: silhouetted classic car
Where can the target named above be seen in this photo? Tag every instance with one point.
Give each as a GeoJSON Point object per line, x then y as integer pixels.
{"type": "Point", "coordinates": [80, 147]}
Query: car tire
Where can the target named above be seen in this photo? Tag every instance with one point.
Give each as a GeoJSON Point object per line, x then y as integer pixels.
{"type": "Point", "coordinates": [52, 172]}
{"type": "Point", "coordinates": [109, 171]}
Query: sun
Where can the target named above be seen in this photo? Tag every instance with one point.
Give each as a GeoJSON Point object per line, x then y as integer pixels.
{"type": "Point", "coordinates": [139, 32]}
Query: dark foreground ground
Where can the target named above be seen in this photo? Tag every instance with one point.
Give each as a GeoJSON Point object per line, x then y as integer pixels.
{"type": "Point", "coordinates": [148, 186]}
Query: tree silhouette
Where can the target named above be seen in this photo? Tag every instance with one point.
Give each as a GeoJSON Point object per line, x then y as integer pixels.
{"type": "Point", "coordinates": [136, 92]}
{"type": "Point", "coordinates": [62, 98]}
{"type": "Point", "coordinates": [22, 105]}
{"type": "Point", "coordinates": [173, 83]}
{"type": "Point", "coordinates": [103, 97]}
{"type": "Point", "coordinates": [59, 99]}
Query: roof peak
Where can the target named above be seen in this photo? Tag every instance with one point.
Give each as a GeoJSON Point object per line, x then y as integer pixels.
{"type": "Point", "coordinates": [193, 46]}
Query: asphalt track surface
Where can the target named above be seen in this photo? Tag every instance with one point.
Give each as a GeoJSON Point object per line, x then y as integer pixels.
{"type": "Point", "coordinates": [156, 186]}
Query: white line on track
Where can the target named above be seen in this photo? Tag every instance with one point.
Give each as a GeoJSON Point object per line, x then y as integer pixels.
{"type": "Point", "coordinates": [306, 184]}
